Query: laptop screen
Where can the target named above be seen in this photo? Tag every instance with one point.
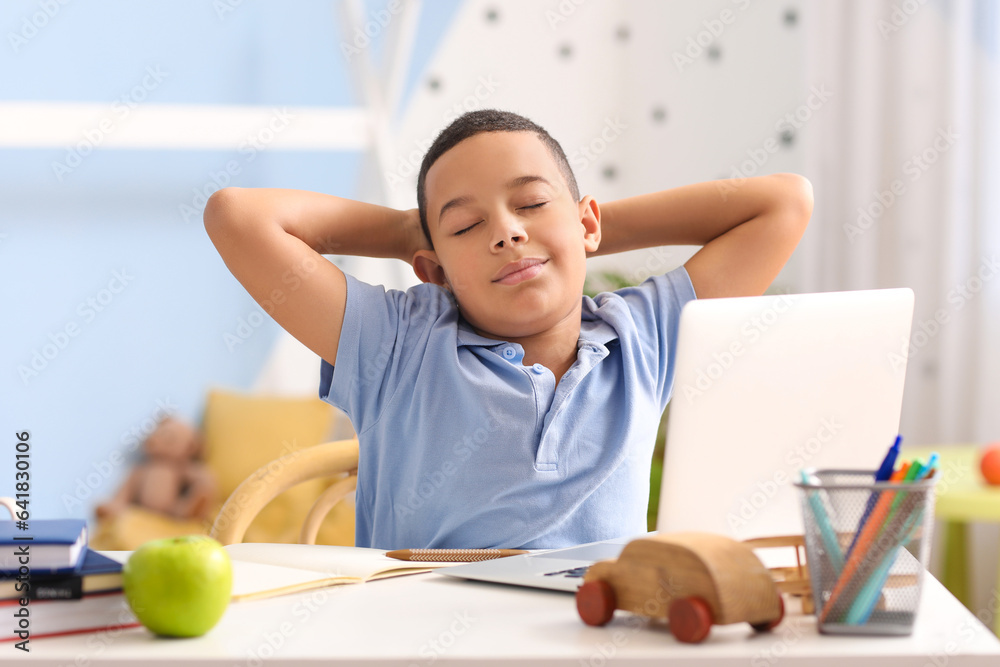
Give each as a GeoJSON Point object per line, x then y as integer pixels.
{"type": "Point", "coordinates": [766, 386]}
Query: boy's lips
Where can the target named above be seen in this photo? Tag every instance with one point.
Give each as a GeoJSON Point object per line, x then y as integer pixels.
{"type": "Point", "coordinates": [519, 271]}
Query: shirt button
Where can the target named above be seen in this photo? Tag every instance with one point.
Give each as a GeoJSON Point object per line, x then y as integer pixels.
{"type": "Point", "coordinates": [509, 353]}
{"type": "Point", "coordinates": [538, 368]}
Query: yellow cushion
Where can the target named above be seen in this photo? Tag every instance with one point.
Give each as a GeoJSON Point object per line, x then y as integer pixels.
{"type": "Point", "coordinates": [243, 432]}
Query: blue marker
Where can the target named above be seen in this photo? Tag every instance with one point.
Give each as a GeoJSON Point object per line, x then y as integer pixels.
{"type": "Point", "coordinates": [883, 474]}
{"type": "Point", "coordinates": [931, 465]}
{"type": "Point", "coordinates": [889, 462]}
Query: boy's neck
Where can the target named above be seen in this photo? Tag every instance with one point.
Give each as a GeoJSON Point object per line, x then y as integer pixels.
{"type": "Point", "coordinates": [554, 348]}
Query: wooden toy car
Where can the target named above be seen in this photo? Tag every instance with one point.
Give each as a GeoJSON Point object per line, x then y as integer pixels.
{"type": "Point", "coordinates": [693, 580]}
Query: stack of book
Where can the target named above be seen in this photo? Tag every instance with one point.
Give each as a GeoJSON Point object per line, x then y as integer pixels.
{"type": "Point", "coordinates": [68, 588]}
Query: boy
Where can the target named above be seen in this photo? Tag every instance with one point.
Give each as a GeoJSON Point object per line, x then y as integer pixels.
{"type": "Point", "coordinates": [495, 405]}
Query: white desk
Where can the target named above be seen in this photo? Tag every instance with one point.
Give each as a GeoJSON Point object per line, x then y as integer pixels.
{"type": "Point", "coordinates": [426, 619]}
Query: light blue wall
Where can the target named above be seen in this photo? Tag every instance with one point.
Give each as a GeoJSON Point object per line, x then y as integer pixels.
{"type": "Point", "coordinates": [158, 337]}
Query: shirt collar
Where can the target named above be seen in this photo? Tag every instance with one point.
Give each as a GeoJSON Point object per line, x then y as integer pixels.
{"type": "Point", "coordinates": [468, 337]}
{"type": "Point", "coordinates": [597, 331]}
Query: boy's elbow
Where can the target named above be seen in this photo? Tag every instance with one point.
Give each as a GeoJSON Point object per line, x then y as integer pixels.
{"type": "Point", "coordinates": [220, 208]}
{"type": "Point", "coordinates": [795, 198]}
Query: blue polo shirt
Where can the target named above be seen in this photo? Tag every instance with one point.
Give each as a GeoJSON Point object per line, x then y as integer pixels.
{"type": "Point", "coordinates": [462, 445]}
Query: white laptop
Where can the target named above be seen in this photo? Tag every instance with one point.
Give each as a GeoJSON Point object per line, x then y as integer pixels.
{"type": "Point", "coordinates": [763, 387]}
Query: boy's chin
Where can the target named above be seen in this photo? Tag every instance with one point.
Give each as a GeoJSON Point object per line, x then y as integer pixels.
{"type": "Point", "coordinates": [511, 328]}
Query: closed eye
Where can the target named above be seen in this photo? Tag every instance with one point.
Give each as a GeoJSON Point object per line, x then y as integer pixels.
{"type": "Point", "coordinates": [462, 231]}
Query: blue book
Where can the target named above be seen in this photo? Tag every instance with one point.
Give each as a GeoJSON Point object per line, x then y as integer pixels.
{"type": "Point", "coordinates": [52, 545]}
{"type": "Point", "coordinates": [97, 574]}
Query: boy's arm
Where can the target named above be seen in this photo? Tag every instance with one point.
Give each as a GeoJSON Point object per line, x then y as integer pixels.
{"type": "Point", "coordinates": [273, 240]}
{"type": "Point", "coordinates": [748, 228]}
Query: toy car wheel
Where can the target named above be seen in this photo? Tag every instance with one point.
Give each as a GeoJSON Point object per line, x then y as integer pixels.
{"type": "Point", "coordinates": [771, 625]}
{"type": "Point", "coordinates": [595, 602]}
{"type": "Point", "coordinates": [690, 619]}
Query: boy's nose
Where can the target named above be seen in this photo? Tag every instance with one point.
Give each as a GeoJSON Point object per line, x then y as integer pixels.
{"type": "Point", "coordinates": [513, 240]}
{"type": "Point", "coordinates": [510, 234]}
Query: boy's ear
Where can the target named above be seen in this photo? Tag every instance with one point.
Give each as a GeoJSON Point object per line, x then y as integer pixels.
{"type": "Point", "coordinates": [428, 268]}
{"type": "Point", "coordinates": [590, 218]}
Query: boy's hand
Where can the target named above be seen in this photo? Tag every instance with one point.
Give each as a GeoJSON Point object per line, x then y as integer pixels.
{"type": "Point", "coordinates": [415, 233]}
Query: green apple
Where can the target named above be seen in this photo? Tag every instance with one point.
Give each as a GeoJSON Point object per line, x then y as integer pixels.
{"type": "Point", "coordinates": [179, 586]}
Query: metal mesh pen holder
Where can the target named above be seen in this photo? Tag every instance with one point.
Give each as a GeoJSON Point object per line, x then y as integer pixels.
{"type": "Point", "coordinates": [867, 547]}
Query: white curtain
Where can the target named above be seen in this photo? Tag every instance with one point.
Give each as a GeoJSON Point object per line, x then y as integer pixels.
{"type": "Point", "coordinates": [903, 158]}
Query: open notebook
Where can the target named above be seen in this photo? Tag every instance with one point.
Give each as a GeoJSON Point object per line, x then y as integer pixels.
{"type": "Point", "coordinates": [266, 570]}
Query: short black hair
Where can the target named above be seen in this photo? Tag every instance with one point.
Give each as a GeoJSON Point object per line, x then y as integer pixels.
{"type": "Point", "coordinates": [477, 122]}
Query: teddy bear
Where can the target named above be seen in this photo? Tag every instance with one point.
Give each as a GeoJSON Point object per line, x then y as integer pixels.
{"type": "Point", "coordinates": [171, 480]}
